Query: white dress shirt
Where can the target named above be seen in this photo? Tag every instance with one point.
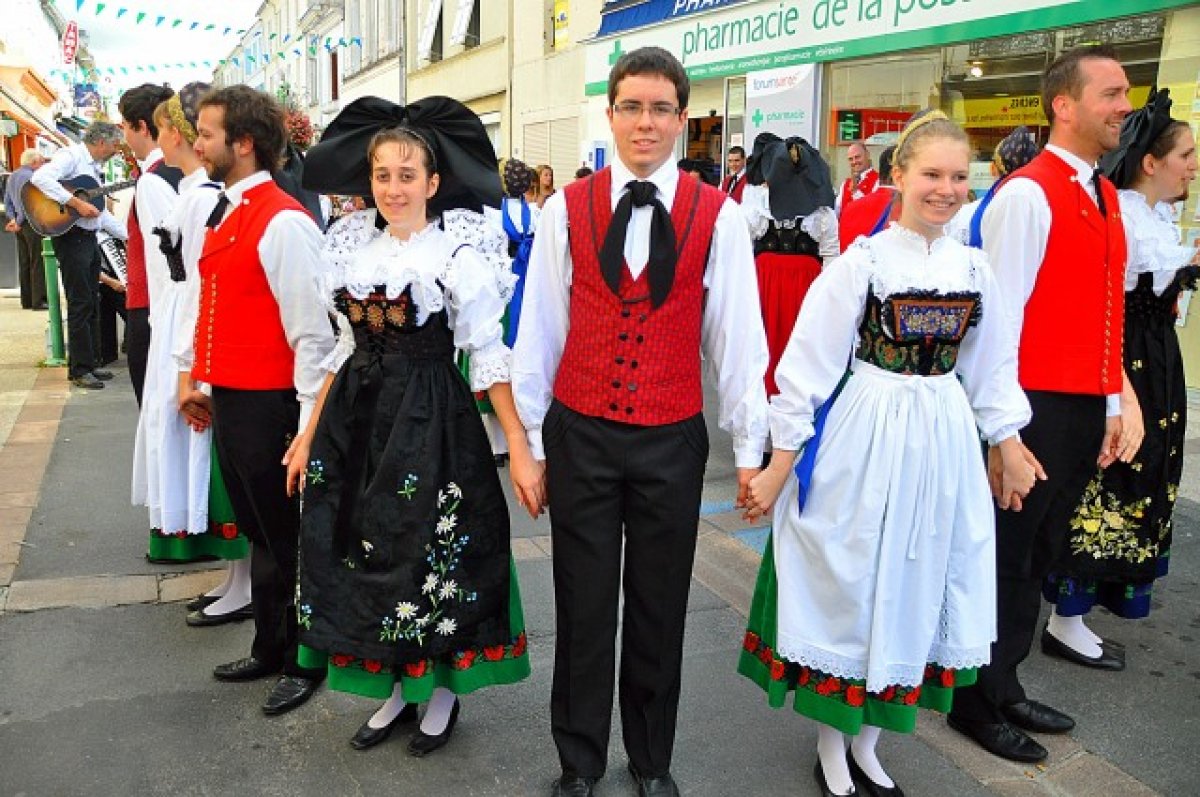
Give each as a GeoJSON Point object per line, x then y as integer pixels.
{"type": "Point", "coordinates": [732, 339]}
{"type": "Point", "coordinates": [1153, 241]}
{"type": "Point", "coordinates": [155, 199]}
{"type": "Point", "coordinates": [69, 162]}
{"type": "Point", "coordinates": [290, 251]}
{"type": "Point", "coordinates": [1016, 228]}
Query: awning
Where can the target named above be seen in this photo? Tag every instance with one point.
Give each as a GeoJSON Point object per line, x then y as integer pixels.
{"type": "Point", "coordinates": [22, 113]}
{"type": "Point", "coordinates": [618, 16]}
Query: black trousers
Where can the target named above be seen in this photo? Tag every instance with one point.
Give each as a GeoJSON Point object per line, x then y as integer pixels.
{"type": "Point", "coordinates": [112, 304]}
{"type": "Point", "coordinates": [137, 345]}
{"type": "Point", "coordinates": [1065, 435]}
{"type": "Point", "coordinates": [252, 430]}
{"type": "Point", "coordinates": [610, 482]}
{"type": "Point", "coordinates": [31, 272]}
{"type": "Point", "coordinates": [79, 264]}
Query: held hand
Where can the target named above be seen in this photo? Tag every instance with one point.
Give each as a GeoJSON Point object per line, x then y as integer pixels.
{"type": "Point", "coordinates": [1133, 430]}
{"type": "Point", "coordinates": [763, 490]}
{"type": "Point", "coordinates": [12, 226]}
{"type": "Point", "coordinates": [194, 405]}
{"type": "Point", "coordinates": [744, 475]}
{"type": "Point", "coordinates": [1112, 441]}
{"type": "Point", "coordinates": [528, 479]}
{"type": "Point", "coordinates": [296, 461]}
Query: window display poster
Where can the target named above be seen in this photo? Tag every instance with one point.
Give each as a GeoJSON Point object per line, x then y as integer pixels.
{"type": "Point", "coordinates": [782, 101]}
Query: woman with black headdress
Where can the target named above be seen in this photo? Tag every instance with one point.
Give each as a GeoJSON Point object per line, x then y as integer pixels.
{"type": "Point", "coordinates": [1120, 535]}
{"type": "Point", "coordinates": [406, 587]}
{"type": "Point", "coordinates": [1014, 151]}
{"type": "Point", "coordinates": [788, 204]}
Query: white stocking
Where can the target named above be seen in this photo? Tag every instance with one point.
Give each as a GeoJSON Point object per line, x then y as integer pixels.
{"type": "Point", "coordinates": [1072, 632]}
{"type": "Point", "coordinates": [237, 589]}
{"type": "Point", "coordinates": [437, 713]}
{"type": "Point", "coordinates": [389, 710]}
{"type": "Point", "coordinates": [863, 750]}
{"type": "Point", "coordinates": [831, 749]}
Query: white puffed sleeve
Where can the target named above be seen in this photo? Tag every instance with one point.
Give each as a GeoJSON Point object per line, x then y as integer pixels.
{"type": "Point", "coordinates": [820, 346]}
{"type": "Point", "coordinates": [987, 362]}
{"type": "Point", "coordinates": [822, 226]}
{"type": "Point", "coordinates": [344, 238]}
{"type": "Point", "coordinates": [1153, 243]}
{"type": "Point", "coordinates": [756, 208]}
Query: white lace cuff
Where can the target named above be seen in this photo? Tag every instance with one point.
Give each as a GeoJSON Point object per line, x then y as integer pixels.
{"type": "Point", "coordinates": [490, 365]}
{"type": "Point", "coordinates": [343, 348]}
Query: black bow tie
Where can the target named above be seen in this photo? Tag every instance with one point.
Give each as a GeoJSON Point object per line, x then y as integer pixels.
{"type": "Point", "coordinates": [218, 211]}
{"type": "Point", "coordinates": [661, 263]}
{"type": "Point", "coordinates": [1096, 175]}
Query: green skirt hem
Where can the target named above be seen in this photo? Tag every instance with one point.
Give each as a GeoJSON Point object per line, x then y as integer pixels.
{"type": "Point", "coordinates": [195, 546]}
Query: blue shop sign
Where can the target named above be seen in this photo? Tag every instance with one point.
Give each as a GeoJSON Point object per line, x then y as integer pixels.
{"type": "Point", "coordinates": [622, 15]}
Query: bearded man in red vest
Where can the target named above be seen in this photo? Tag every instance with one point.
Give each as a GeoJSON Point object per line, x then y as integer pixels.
{"type": "Point", "coordinates": [606, 376]}
{"type": "Point", "coordinates": [261, 336]}
{"type": "Point", "coordinates": [1054, 236]}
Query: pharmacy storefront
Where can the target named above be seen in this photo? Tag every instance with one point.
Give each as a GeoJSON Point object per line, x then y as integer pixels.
{"type": "Point", "coordinates": [836, 71]}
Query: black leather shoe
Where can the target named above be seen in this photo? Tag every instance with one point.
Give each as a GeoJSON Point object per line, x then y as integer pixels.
{"type": "Point", "coordinates": [422, 744]}
{"type": "Point", "coordinates": [1037, 717]}
{"type": "Point", "coordinates": [1107, 660]}
{"type": "Point", "coordinates": [201, 601]}
{"type": "Point", "coordinates": [573, 786]}
{"type": "Point", "coordinates": [201, 619]}
{"type": "Point", "coordinates": [367, 737]}
{"type": "Point", "coordinates": [661, 786]}
{"type": "Point", "coordinates": [864, 784]}
{"type": "Point", "coordinates": [289, 692]}
{"type": "Point", "coordinates": [247, 669]}
{"type": "Point", "coordinates": [102, 374]}
{"type": "Point", "coordinates": [1001, 739]}
{"type": "Point", "coordinates": [87, 381]}
{"type": "Point", "coordinates": [819, 774]}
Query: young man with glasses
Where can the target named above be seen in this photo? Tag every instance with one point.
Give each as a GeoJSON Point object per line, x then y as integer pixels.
{"type": "Point", "coordinates": [606, 375]}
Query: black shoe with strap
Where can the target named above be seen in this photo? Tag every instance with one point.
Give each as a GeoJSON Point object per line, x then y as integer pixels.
{"type": "Point", "coordinates": [1111, 657]}
{"type": "Point", "coordinates": [422, 744]}
{"type": "Point", "coordinates": [367, 737]}
{"type": "Point", "coordinates": [819, 774]}
{"type": "Point", "coordinates": [863, 782]}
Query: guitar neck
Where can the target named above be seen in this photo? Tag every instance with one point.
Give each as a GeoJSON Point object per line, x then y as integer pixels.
{"type": "Point", "coordinates": [104, 190]}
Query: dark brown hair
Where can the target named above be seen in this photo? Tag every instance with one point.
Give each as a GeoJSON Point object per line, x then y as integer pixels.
{"type": "Point", "coordinates": [251, 114]}
{"type": "Point", "coordinates": [1064, 76]}
{"type": "Point", "coordinates": [406, 139]}
{"type": "Point", "coordinates": [138, 104]}
{"type": "Point", "coordinates": [650, 61]}
{"type": "Point", "coordinates": [1167, 139]}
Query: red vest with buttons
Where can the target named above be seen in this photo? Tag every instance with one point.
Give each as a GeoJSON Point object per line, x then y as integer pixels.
{"type": "Point", "coordinates": [136, 294]}
{"type": "Point", "coordinates": [624, 361]}
{"type": "Point", "coordinates": [240, 342]}
{"type": "Point", "coordinates": [1072, 334]}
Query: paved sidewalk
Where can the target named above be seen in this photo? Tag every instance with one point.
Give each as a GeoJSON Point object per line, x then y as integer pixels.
{"type": "Point", "coordinates": [104, 690]}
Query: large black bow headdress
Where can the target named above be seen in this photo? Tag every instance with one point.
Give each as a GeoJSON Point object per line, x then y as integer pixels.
{"type": "Point", "coordinates": [1139, 131]}
{"type": "Point", "coordinates": [796, 173]}
{"type": "Point", "coordinates": [466, 161]}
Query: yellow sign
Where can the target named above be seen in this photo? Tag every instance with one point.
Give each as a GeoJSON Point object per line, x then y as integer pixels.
{"type": "Point", "coordinates": [1023, 109]}
{"type": "Point", "coordinates": [562, 26]}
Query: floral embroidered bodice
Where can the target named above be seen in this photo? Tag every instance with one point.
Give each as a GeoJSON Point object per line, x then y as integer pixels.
{"type": "Point", "coordinates": [384, 326]}
{"type": "Point", "coordinates": [917, 332]}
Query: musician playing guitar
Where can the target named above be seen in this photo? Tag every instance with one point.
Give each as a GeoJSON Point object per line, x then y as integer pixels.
{"type": "Point", "coordinates": [76, 249]}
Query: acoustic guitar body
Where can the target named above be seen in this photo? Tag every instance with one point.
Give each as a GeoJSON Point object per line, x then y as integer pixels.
{"type": "Point", "coordinates": [50, 218]}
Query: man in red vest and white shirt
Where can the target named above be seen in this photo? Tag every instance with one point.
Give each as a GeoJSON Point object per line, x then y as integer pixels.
{"type": "Point", "coordinates": [863, 179]}
{"type": "Point", "coordinates": [146, 266]}
{"type": "Point", "coordinates": [606, 377]}
{"type": "Point", "coordinates": [1054, 237]}
{"type": "Point", "coordinates": [735, 173]}
{"type": "Point", "coordinates": [261, 336]}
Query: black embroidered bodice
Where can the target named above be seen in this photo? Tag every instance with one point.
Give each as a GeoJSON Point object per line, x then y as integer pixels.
{"type": "Point", "coordinates": [385, 326]}
{"type": "Point", "coordinates": [1143, 304]}
{"type": "Point", "coordinates": [916, 332]}
{"type": "Point", "coordinates": [787, 240]}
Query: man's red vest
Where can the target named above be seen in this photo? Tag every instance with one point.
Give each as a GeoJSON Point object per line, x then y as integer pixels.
{"type": "Point", "coordinates": [739, 187]}
{"type": "Point", "coordinates": [137, 296]}
{"type": "Point", "coordinates": [866, 186]}
{"type": "Point", "coordinates": [623, 360]}
{"type": "Point", "coordinates": [240, 342]}
{"type": "Point", "coordinates": [1072, 334]}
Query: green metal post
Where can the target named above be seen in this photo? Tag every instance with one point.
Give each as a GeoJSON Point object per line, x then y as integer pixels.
{"type": "Point", "coordinates": [58, 355]}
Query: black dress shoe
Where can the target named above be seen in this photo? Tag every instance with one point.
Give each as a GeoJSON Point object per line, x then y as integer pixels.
{"type": "Point", "coordinates": [422, 744]}
{"type": "Point", "coordinates": [87, 381]}
{"type": "Point", "coordinates": [367, 737]}
{"type": "Point", "coordinates": [573, 786]}
{"type": "Point", "coordinates": [201, 602]}
{"type": "Point", "coordinates": [863, 782]}
{"type": "Point", "coordinates": [661, 786]}
{"type": "Point", "coordinates": [101, 374]}
{"type": "Point", "coordinates": [819, 774]}
{"type": "Point", "coordinates": [1001, 739]}
{"type": "Point", "coordinates": [1107, 660]}
{"type": "Point", "coordinates": [289, 692]}
{"type": "Point", "coordinates": [247, 669]}
{"type": "Point", "coordinates": [201, 619]}
{"type": "Point", "coordinates": [1037, 717]}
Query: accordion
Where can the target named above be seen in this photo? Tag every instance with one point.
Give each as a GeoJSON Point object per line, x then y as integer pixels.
{"type": "Point", "coordinates": [112, 256]}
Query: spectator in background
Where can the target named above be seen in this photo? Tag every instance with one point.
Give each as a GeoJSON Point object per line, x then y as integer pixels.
{"type": "Point", "coordinates": [31, 275]}
{"type": "Point", "coordinates": [735, 173]}
{"type": "Point", "coordinates": [544, 183]}
{"type": "Point", "coordinates": [582, 172]}
{"type": "Point", "coordinates": [872, 213]}
{"type": "Point", "coordinates": [863, 178]}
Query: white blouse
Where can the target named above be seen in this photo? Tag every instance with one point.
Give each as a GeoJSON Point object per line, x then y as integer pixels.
{"type": "Point", "coordinates": [894, 261]}
{"type": "Point", "coordinates": [1153, 241]}
{"type": "Point", "coordinates": [461, 266]}
{"type": "Point", "coordinates": [821, 225]}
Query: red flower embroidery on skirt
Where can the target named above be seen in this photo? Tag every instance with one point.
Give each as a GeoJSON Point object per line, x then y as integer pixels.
{"type": "Point", "coordinates": [912, 697]}
{"type": "Point", "coordinates": [805, 676]}
{"type": "Point", "coordinates": [777, 670]}
{"type": "Point", "coordinates": [765, 655]}
{"type": "Point", "coordinates": [519, 646]}
{"type": "Point", "coordinates": [929, 671]}
{"type": "Point", "coordinates": [750, 642]}
{"type": "Point", "coordinates": [493, 652]}
{"type": "Point", "coordinates": [465, 660]}
{"type": "Point", "coordinates": [415, 669]}
{"type": "Point", "coordinates": [341, 660]}
{"type": "Point", "coordinates": [888, 695]}
{"type": "Point", "coordinates": [372, 665]}
{"type": "Point", "coordinates": [856, 695]}
{"type": "Point", "coordinates": [947, 678]}
{"type": "Point", "coordinates": [227, 530]}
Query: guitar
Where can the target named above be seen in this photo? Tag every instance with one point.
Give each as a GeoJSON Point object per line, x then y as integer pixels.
{"type": "Point", "coordinates": [50, 218]}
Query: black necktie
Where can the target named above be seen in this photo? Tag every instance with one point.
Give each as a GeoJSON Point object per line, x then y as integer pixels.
{"type": "Point", "coordinates": [661, 263]}
{"type": "Point", "coordinates": [1099, 192]}
{"type": "Point", "coordinates": [218, 211]}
